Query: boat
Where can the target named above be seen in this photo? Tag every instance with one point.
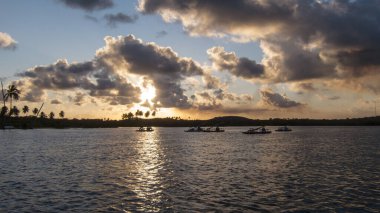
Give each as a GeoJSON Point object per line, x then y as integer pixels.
{"type": "Point", "coordinates": [147, 129]}
{"type": "Point", "coordinates": [283, 129]}
{"type": "Point", "coordinates": [259, 130]}
{"type": "Point", "coordinates": [8, 127]}
{"type": "Point", "coordinates": [212, 129]}
{"type": "Point", "coordinates": [195, 129]}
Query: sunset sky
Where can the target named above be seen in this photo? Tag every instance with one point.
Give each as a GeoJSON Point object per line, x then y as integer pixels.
{"type": "Point", "coordinates": [194, 58]}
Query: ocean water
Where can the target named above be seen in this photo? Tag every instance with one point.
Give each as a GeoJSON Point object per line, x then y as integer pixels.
{"type": "Point", "coordinates": [312, 169]}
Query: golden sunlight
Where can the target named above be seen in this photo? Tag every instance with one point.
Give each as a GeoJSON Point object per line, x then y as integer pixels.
{"type": "Point", "coordinates": [148, 93]}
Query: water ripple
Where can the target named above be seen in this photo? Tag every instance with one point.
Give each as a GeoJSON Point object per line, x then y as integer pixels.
{"type": "Point", "coordinates": [312, 169]}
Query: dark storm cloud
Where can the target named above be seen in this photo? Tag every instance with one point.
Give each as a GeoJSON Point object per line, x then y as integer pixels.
{"type": "Point", "coordinates": [277, 100]}
{"type": "Point", "coordinates": [7, 42]}
{"type": "Point", "coordinates": [88, 5]}
{"type": "Point", "coordinates": [119, 18]}
{"type": "Point", "coordinates": [301, 39]}
{"type": "Point", "coordinates": [159, 64]}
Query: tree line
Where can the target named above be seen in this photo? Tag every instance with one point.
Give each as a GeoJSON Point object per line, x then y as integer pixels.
{"type": "Point", "coordinates": [11, 94]}
{"type": "Point", "coordinates": [137, 114]}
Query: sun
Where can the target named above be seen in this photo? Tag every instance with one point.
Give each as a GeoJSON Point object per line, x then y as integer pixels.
{"type": "Point", "coordinates": [148, 93]}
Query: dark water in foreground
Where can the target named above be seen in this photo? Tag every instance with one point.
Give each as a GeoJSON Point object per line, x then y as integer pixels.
{"type": "Point", "coordinates": [118, 170]}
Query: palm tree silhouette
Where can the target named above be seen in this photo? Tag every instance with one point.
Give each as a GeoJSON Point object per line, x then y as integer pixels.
{"type": "Point", "coordinates": [130, 115]}
{"type": "Point", "coordinates": [14, 111]}
{"type": "Point", "coordinates": [4, 111]}
{"type": "Point", "coordinates": [42, 115]}
{"type": "Point", "coordinates": [3, 93]}
{"type": "Point", "coordinates": [35, 111]}
{"type": "Point", "coordinates": [62, 114]}
{"type": "Point", "coordinates": [51, 115]}
{"type": "Point", "coordinates": [25, 109]}
{"type": "Point", "coordinates": [139, 113]}
{"type": "Point", "coordinates": [12, 93]}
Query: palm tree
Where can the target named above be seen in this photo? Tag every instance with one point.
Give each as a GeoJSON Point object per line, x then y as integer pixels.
{"type": "Point", "coordinates": [51, 115]}
{"type": "Point", "coordinates": [147, 113]}
{"type": "Point", "coordinates": [25, 109]}
{"type": "Point", "coordinates": [3, 93]}
{"type": "Point", "coordinates": [130, 115]}
{"type": "Point", "coordinates": [62, 114]}
{"type": "Point", "coordinates": [12, 93]}
{"type": "Point", "coordinates": [4, 111]}
{"type": "Point", "coordinates": [35, 111]}
{"type": "Point", "coordinates": [139, 113]}
{"type": "Point", "coordinates": [14, 111]}
{"type": "Point", "coordinates": [42, 115]}
{"type": "Point", "coordinates": [124, 116]}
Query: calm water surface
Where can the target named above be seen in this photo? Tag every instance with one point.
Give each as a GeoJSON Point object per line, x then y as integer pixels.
{"type": "Point", "coordinates": [332, 169]}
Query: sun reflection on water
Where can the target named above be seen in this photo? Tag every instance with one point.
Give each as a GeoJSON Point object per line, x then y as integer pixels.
{"type": "Point", "coordinates": [148, 181]}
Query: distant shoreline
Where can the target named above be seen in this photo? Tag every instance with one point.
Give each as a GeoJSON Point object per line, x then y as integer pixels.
{"type": "Point", "coordinates": [32, 122]}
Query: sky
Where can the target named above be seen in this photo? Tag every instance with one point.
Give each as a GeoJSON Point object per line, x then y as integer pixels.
{"type": "Point", "coordinates": [196, 59]}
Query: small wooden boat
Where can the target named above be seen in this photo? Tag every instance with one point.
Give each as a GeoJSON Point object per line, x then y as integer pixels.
{"type": "Point", "coordinates": [259, 130]}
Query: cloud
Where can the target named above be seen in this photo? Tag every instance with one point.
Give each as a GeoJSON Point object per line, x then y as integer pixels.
{"type": "Point", "coordinates": [114, 19]}
{"type": "Point", "coordinates": [210, 106]}
{"type": "Point", "coordinates": [56, 102]}
{"type": "Point", "coordinates": [240, 67]}
{"type": "Point", "coordinates": [205, 96]}
{"type": "Point", "coordinates": [211, 82]}
{"type": "Point", "coordinates": [88, 5]}
{"type": "Point", "coordinates": [78, 99]}
{"type": "Point", "coordinates": [106, 77]}
{"type": "Point", "coordinates": [159, 64]}
{"type": "Point", "coordinates": [217, 16]}
{"type": "Point", "coordinates": [301, 39]}
{"type": "Point", "coordinates": [7, 42]}
{"type": "Point", "coordinates": [277, 100]}
{"type": "Point", "coordinates": [88, 76]}
{"type": "Point", "coordinates": [334, 98]}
